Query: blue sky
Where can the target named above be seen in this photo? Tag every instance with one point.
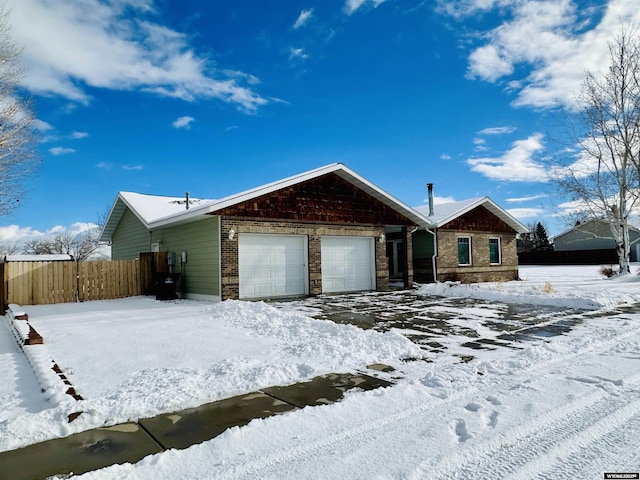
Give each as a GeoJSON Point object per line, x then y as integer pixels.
{"type": "Point", "coordinates": [164, 97]}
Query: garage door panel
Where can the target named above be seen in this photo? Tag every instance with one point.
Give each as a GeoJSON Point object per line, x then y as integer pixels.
{"type": "Point", "coordinates": [272, 265]}
{"type": "Point", "coordinates": [347, 264]}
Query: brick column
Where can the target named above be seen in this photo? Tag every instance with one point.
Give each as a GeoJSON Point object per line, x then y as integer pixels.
{"type": "Point", "coordinates": [315, 265]}
{"type": "Point", "coordinates": [382, 263]}
{"type": "Point", "coordinates": [230, 288]}
{"type": "Point", "coordinates": [407, 276]}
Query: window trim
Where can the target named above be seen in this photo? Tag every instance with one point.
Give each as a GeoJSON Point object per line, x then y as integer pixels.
{"type": "Point", "coordinates": [470, 251]}
{"type": "Point", "coordinates": [499, 251]}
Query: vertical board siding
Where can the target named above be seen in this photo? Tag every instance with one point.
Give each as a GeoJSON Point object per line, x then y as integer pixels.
{"type": "Point", "coordinates": [37, 283]}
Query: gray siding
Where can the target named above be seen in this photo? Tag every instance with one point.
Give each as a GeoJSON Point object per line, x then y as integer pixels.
{"type": "Point", "coordinates": [575, 240]}
{"type": "Point", "coordinates": [201, 242]}
{"type": "Point", "coordinates": [593, 235]}
{"type": "Point", "coordinates": [130, 238]}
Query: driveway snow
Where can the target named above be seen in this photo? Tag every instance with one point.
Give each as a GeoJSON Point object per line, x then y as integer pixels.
{"type": "Point", "coordinates": [555, 407]}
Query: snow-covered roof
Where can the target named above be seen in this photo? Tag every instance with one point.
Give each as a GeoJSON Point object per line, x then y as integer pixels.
{"type": "Point", "coordinates": [443, 213]}
{"type": "Point", "coordinates": [152, 208]}
{"type": "Point", "coordinates": [38, 258]}
{"type": "Point", "coordinates": [157, 211]}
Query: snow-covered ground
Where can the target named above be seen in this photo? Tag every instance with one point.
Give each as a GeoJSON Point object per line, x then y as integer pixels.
{"type": "Point", "coordinates": [565, 406]}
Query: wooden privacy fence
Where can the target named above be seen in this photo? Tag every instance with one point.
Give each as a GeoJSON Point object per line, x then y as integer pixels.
{"type": "Point", "coordinates": [35, 283]}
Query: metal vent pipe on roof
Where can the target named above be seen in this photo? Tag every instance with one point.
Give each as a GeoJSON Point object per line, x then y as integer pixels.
{"type": "Point", "coordinates": [186, 203]}
{"type": "Point", "coordinates": [430, 191]}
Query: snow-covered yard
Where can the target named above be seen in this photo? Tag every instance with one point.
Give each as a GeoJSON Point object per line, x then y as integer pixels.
{"type": "Point", "coordinates": [555, 407]}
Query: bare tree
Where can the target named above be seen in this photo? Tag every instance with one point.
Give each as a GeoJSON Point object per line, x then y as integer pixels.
{"type": "Point", "coordinates": [8, 247]}
{"type": "Point", "coordinates": [18, 155]}
{"type": "Point", "coordinates": [81, 246]}
{"type": "Point", "coordinates": [604, 179]}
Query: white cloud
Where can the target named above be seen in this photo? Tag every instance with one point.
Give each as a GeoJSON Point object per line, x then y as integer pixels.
{"type": "Point", "coordinates": [134, 168]}
{"type": "Point", "coordinates": [79, 135]}
{"type": "Point", "coordinates": [555, 41]}
{"type": "Point", "coordinates": [522, 213]}
{"type": "Point", "coordinates": [114, 45]}
{"type": "Point", "coordinates": [303, 18]}
{"type": "Point", "coordinates": [464, 8]}
{"type": "Point", "coordinates": [61, 151]}
{"type": "Point", "coordinates": [42, 126]}
{"type": "Point", "coordinates": [20, 235]}
{"type": "Point", "coordinates": [497, 130]}
{"type": "Point", "coordinates": [351, 6]}
{"type": "Point", "coordinates": [183, 122]}
{"type": "Point", "coordinates": [14, 233]}
{"type": "Point", "coordinates": [526, 199]}
{"type": "Point", "coordinates": [480, 145]}
{"type": "Point", "coordinates": [297, 53]}
{"type": "Point", "coordinates": [489, 64]}
{"type": "Point", "coordinates": [445, 156]}
{"type": "Point", "coordinates": [515, 165]}
{"type": "Point", "coordinates": [440, 200]}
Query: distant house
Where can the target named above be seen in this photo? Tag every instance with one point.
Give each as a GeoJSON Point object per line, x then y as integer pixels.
{"type": "Point", "coordinates": [472, 240]}
{"type": "Point", "coordinates": [321, 231]}
{"type": "Point", "coordinates": [595, 236]}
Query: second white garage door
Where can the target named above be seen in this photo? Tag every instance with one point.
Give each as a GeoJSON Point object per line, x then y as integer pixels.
{"type": "Point", "coordinates": [272, 265]}
{"type": "Point", "coordinates": [347, 264]}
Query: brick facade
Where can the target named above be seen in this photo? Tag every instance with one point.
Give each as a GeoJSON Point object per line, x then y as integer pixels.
{"type": "Point", "coordinates": [480, 270]}
{"type": "Point", "coordinates": [313, 232]}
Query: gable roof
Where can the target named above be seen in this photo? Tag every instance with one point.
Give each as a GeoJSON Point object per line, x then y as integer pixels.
{"type": "Point", "coordinates": [157, 211]}
{"type": "Point", "coordinates": [597, 223]}
{"type": "Point", "coordinates": [443, 213]}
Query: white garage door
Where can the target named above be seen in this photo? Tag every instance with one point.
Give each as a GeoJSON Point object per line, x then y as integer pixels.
{"type": "Point", "coordinates": [347, 264]}
{"type": "Point", "coordinates": [272, 265]}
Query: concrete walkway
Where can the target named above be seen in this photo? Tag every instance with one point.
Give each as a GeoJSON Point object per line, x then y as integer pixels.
{"type": "Point", "coordinates": [131, 442]}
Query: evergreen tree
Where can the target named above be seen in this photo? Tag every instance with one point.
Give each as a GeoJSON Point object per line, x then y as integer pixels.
{"type": "Point", "coordinates": [540, 238]}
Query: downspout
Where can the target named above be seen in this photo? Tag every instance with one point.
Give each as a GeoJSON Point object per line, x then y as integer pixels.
{"type": "Point", "coordinates": [434, 233]}
{"type": "Point", "coordinates": [435, 254]}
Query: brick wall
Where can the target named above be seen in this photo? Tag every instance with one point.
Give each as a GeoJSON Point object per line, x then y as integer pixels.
{"type": "Point", "coordinates": [480, 270]}
{"type": "Point", "coordinates": [313, 232]}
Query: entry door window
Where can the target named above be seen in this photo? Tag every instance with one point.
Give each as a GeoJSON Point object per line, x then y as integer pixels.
{"type": "Point", "coordinates": [464, 250]}
{"type": "Point", "coordinates": [395, 254]}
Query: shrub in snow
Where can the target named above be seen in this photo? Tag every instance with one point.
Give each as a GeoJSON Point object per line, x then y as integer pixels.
{"type": "Point", "coordinates": [608, 271]}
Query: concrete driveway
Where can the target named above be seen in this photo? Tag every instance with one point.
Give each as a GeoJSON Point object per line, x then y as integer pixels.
{"type": "Point", "coordinates": [438, 323]}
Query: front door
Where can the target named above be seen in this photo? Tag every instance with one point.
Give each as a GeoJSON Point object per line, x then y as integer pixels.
{"type": "Point", "coordinates": [395, 254]}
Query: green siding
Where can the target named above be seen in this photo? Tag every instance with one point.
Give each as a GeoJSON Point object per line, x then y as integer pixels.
{"type": "Point", "coordinates": [201, 241]}
{"type": "Point", "coordinates": [422, 244]}
{"type": "Point", "coordinates": [130, 238]}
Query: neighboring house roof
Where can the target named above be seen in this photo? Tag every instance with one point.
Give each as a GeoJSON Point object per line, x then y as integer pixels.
{"type": "Point", "coordinates": [594, 228]}
{"type": "Point", "coordinates": [38, 258]}
{"type": "Point", "coordinates": [443, 213]}
{"type": "Point", "coordinates": [155, 211]}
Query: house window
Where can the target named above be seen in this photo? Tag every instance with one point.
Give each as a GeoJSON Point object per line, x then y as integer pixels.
{"type": "Point", "coordinates": [464, 250]}
{"type": "Point", "coordinates": [495, 252]}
